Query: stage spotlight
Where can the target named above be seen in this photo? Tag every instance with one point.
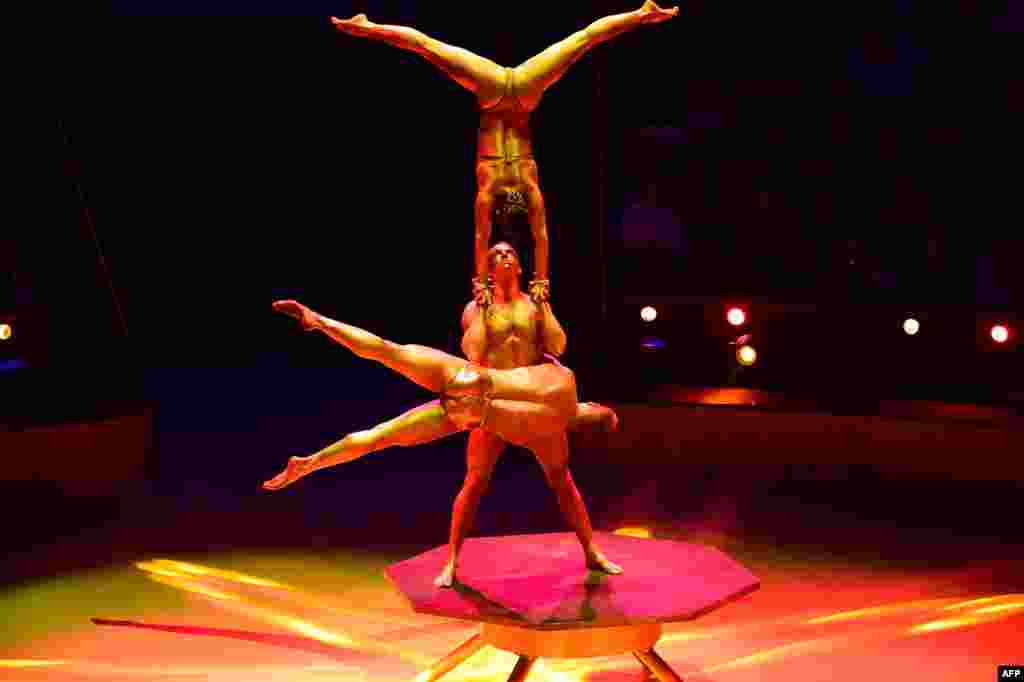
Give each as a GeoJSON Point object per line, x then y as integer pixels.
{"type": "Point", "coordinates": [736, 316]}
{"type": "Point", "coordinates": [1000, 334]}
{"type": "Point", "coordinates": [911, 326]}
{"type": "Point", "coordinates": [6, 331]}
{"type": "Point", "coordinates": [649, 314]}
{"type": "Point", "coordinates": [746, 355]}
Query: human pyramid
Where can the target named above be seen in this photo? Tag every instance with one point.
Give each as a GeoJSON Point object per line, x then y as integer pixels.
{"type": "Point", "coordinates": [510, 388]}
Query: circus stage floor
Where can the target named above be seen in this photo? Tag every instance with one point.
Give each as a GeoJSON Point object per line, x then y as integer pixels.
{"type": "Point", "coordinates": [332, 615]}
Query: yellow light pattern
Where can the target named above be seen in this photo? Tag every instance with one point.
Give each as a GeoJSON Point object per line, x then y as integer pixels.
{"type": "Point", "coordinates": [973, 602]}
{"type": "Point", "coordinates": [272, 604]}
{"type": "Point", "coordinates": [884, 610]}
{"type": "Point", "coordinates": [28, 663]}
{"type": "Point", "coordinates": [181, 567]}
{"type": "Point", "coordinates": [1002, 607]}
{"type": "Point", "coordinates": [193, 587]}
{"type": "Point", "coordinates": [948, 624]}
{"type": "Point", "coordinates": [178, 574]}
{"type": "Point", "coordinates": [774, 655]}
{"type": "Point", "coordinates": [633, 531]}
{"type": "Point", "coordinates": [5, 332]}
{"type": "Point", "coordinates": [314, 632]}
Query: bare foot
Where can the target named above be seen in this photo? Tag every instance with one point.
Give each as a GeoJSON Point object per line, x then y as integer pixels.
{"type": "Point", "coordinates": [447, 575]}
{"type": "Point", "coordinates": [300, 312]}
{"type": "Point", "coordinates": [655, 15]}
{"type": "Point", "coordinates": [599, 562]}
{"type": "Point", "coordinates": [358, 25]}
{"type": "Point", "coordinates": [608, 419]}
{"type": "Point", "coordinates": [296, 469]}
{"type": "Point", "coordinates": [594, 417]}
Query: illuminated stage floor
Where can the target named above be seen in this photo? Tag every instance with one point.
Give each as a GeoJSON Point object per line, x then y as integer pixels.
{"type": "Point", "coordinates": [333, 616]}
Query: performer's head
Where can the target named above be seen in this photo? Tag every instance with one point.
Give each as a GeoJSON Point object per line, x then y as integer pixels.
{"type": "Point", "coordinates": [503, 262]}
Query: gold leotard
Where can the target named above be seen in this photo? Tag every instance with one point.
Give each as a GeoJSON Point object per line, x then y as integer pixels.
{"type": "Point", "coordinates": [467, 397]}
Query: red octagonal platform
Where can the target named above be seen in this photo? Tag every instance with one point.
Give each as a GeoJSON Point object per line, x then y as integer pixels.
{"type": "Point", "coordinates": [535, 596]}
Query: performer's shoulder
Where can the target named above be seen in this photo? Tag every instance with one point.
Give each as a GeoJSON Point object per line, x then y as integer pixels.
{"type": "Point", "coordinates": [469, 312]}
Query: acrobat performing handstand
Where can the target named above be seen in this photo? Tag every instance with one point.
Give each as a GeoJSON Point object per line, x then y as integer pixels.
{"type": "Point", "coordinates": [507, 175]}
{"type": "Point", "coordinates": [530, 406]}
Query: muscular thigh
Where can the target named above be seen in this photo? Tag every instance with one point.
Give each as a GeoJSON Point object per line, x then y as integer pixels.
{"type": "Point", "coordinates": [431, 368]}
{"type": "Point", "coordinates": [540, 72]}
{"type": "Point", "coordinates": [482, 452]}
{"type": "Point", "coordinates": [552, 452]}
{"type": "Point", "coordinates": [479, 75]}
{"type": "Point", "coordinates": [421, 424]}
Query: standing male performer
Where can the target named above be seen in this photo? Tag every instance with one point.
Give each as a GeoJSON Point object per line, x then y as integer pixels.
{"type": "Point", "coordinates": [522, 399]}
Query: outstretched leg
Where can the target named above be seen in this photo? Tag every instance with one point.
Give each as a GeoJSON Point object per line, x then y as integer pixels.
{"type": "Point", "coordinates": [553, 455]}
{"type": "Point", "coordinates": [428, 367]}
{"type": "Point", "coordinates": [479, 75]}
{"type": "Point", "coordinates": [419, 425]}
{"type": "Point", "coordinates": [481, 455]}
{"type": "Point", "coordinates": [540, 72]}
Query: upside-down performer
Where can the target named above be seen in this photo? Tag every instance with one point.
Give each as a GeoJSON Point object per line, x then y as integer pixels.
{"type": "Point", "coordinates": [505, 169]}
{"type": "Point", "coordinates": [531, 406]}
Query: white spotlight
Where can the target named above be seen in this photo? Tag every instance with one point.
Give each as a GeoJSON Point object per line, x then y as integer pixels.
{"type": "Point", "coordinates": [736, 316]}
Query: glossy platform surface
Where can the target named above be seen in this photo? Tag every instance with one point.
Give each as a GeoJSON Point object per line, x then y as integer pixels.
{"type": "Point", "coordinates": [541, 581]}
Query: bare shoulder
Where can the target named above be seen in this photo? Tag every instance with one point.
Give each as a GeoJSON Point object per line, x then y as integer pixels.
{"type": "Point", "coordinates": [469, 313]}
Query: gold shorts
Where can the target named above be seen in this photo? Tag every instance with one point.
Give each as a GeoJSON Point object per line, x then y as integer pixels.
{"type": "Point", "coordinates": [467, 396]}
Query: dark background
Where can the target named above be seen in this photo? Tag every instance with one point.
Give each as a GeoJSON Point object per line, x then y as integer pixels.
{"type": "Point", "coordinates": [833, 169]}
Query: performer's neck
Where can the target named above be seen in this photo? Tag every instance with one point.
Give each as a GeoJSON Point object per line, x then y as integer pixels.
{"type": "Point", "coordinates": [506, 291]}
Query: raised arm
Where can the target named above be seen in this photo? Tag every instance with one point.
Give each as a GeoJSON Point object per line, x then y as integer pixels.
{"type": "Point", "coordinates": [474, 333]}
{"type": "Point", "coordinates": [552, 334]}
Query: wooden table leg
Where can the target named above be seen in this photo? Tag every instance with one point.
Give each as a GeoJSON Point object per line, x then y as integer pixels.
{"type": "Point", "coordinates": [657, 666]}
{"type": "Point", "coordinates": [457, 656]}
{"type": "Point", "coordinates": [522, 669]}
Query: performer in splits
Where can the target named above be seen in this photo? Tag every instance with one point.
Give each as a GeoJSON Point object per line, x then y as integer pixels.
{"type": "Point", "coordinates": [505, 167]}
{"type": "Point", "coordinates": [530, 406]}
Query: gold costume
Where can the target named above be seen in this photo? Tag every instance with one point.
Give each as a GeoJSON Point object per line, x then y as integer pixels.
{"type": "Point", "coordinates": [467, 397]}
